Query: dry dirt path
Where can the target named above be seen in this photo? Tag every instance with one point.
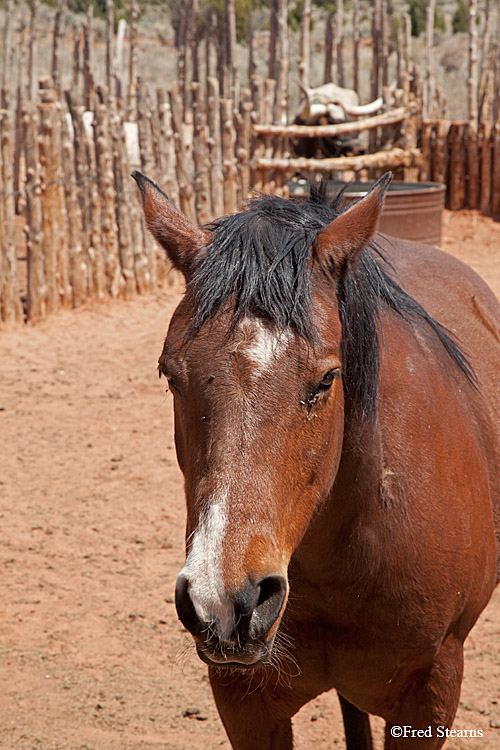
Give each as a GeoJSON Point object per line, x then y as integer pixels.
{"type": "Point", "coordinates": [91, 538]}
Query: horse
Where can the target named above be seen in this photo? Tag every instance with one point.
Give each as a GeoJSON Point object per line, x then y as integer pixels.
{"type": "Point", "coordinates": [337, 407]}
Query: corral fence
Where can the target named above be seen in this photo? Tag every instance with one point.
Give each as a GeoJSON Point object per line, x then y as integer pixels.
{"type": "Point", "coordinates": [71, 223]}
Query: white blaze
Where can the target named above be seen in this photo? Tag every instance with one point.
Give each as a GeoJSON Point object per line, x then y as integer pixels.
{"type": "Point", "coordinates": [203, 567]}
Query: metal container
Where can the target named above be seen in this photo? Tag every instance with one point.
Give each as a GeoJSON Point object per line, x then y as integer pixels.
{"type": "Point", "coordinates": [412, 210]}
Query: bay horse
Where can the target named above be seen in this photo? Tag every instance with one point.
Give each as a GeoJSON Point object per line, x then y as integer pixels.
{"type": "Point", "coordinates": [337, 421]}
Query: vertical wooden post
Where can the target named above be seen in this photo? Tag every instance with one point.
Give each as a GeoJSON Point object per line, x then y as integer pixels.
{"type": "Point", "coordinates": [110, 27]}
{"type": "Point", "coordinates": [440, 157]}
{"type": "Point", "coordinates": [77, 255]}
{"type": "Point", "coordinates": [186, 193]}
{"type": "Point", "coordinates": [486, 153]}
{"type": "Point", "coordinates": [273, 40]}
{"type": "Point", "coordinates": [228, 158]}
{"type": "Point", "coordinates": [194, 21]}
{"type": "Point", "coordinates": [472, 80]}
{"type": "Point", "coordinates": [243, 147]}
{"type": "Point", "coordinates": [281, 101]}
{"type": "Point", "coordinates": [132, 91]}
{"type": "Point", "coordinates": [132, 258]}
{"type": "Point", "coordinates": [327, 75]}
{"type": "Point", "coordinates": [33, 50]}
{"type": "Point", "coordinates": [232, 57]}
{"type": "Point", "coordinates": [37, 289]}
{"type": "Point", "coordinates": [375, 69]}
{"type": "Point", "coordinates": [355, 39]}
{"type": "Point", "coordinates": [384, 41]}
{"type": "Point", "coordinates": [115, 282]}
{"type": "Point", "coordinates": [88, 79]}
{"type": "Point", "coordinates": [456, 192]}
{"type": "Point", "coordinates": [339, 37]}
{"type": "Point", "coordinates": [305, 45]}
{"type": "Point", "coordinates": [56, 44]}
{"type": "Point", "coordinates": [471, 147]}
{"type": "Point", "coordinates": [55, 220]}
{"type": "Point", "coordinates": [77, 68]}
{"type": "Point", "coordinates": [7, 39]}
{"type": "Point", "coordinates": [429, 59]}
{"type": "Point", "coordinates": [117, 68]}
{"type": "Point", "coordinates": [169, 178]}
{"type": "Point", "coordinates": [214, 142]}
{"type": "Point", "coordinates": [203, 201]}
{"type": "Point", "coordinates": [10, 302]}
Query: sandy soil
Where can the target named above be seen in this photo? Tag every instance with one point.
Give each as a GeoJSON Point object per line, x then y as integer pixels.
{"type": "Point", "coordinates": [91, 538]}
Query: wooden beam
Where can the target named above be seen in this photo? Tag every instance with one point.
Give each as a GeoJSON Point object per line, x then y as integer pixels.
{"type": "Point", "coordinates": [395, 157]}
{"type": "Point", "coordinates": [315, 131]}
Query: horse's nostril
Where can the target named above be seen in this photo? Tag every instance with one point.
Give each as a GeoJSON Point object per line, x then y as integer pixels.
{"type": "Point", "coordinates": [272, 593]}
{"type": "Point", "coordinates": [185, 607]}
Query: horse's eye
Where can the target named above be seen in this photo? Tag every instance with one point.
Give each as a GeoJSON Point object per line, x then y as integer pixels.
{"type": "Point", "coordinates": [172, 386]}
{"type": "Point", "coordinates": [328, 379]}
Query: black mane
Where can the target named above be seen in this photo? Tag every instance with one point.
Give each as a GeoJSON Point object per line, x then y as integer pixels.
{"type": "Point", "coordinates": [259, 261]}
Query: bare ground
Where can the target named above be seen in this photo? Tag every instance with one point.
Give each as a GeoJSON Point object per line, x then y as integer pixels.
{"type": "Point", "coordinates": [91, 538]}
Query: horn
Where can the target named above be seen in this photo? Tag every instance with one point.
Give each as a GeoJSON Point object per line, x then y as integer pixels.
{"type": "Point", "coordinates": [364, 109]}
{"type": "Point", "coordinates": [306, 110]}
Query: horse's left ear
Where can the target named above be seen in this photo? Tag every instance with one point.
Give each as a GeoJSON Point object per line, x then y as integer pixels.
{"type": "Point", "coordinates": [341, 242]}
{"type": "Point", "coordinates": [183, 241]}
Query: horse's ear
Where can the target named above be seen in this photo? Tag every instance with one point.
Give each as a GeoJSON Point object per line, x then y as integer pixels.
{"type": "Point", "coordinates": [183, 241]}
{"type": "Point", "coordinates": [341, 242]}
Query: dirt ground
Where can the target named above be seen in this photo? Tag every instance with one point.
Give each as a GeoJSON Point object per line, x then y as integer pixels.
{"type": "Point", "coordinates": [91, 539]}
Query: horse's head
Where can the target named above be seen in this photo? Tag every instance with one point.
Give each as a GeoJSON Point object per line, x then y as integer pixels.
{"type": "Point", "coordinates": [253, 358]}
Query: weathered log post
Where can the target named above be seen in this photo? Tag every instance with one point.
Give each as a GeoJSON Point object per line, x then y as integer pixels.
{"type": "Point", "coordinates": [440, 157]}
{"type": "Point", "coordinates": [201, 160]}
{"type": "Point", "coordinates": [186, 192]}
{"type": "Point", "coordinates": [10, 302]}
{"type": "Point", "coordinates": [115, 282]}
{"type": "Point", "coordinates": [55, 219]}
{"type": "Point", "coordinates": [243, 146]}
{"type": "Point", "coordinates": [133, 259]}
{"type": "Point", "coordinates": [132, 91]}
{"type": "Point", "coordinates": [37, 288]}
{"type": "Point", "coordinates": [356, 36]}
{"type": "Point", "coordinates": [33, 50]}
{"type": "Point", "coordinates": [327, 74]}
{"type": "Point", "coordinates": [281, 100]}
{"type": "Point", "coordinates": [169, 178]}
{"type": "Point", "coordinates": [471, 147]}
{"type": "Point", "coordinates": [456, 188]}
{"type": "Point", "coordinates": [78, 257]}
{"type": "Point", "coordinates": [57, 43]}
{"type": "Point", "coordinates": [228, 157]}
{"type": "Point", "coordinates": [214, 147]}
{"type": "Point", "coordinates": [472, 80]}
{"type": "Point", "coordinates": [305, 44]}
{"type": "Point", "coordinates": [339, 41]}
{"type": "Point", "coordinates": [7, 44]}
{"type": "Point", "coordinates": [110, 25]}
{"type": "Point", "coordinates": [88, 78]}
{"type": "Point", "coordinates": [486, 153]}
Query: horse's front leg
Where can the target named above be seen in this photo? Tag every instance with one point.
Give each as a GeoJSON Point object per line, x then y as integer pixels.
{"type": "Point", "coordinates": [428, 706]}
{"type": "Point", "coordinates": [251, 718]}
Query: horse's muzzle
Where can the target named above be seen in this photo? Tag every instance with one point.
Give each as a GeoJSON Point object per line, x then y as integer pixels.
{"type": "Point", "coordinates": [245, 638]}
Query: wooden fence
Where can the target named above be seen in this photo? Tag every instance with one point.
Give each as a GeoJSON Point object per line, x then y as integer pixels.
{"type": "Point", "coordinates": [72, 228]}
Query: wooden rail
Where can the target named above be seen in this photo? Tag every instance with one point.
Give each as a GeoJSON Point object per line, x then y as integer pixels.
{"type": "Point", "coordinates": [324, 131]}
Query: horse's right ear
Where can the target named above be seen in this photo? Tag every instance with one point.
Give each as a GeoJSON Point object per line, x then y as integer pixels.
{"type": "Point", "coordinates": [183, 241]}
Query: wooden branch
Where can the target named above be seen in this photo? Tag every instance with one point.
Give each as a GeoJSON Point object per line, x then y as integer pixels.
{"type": "Point", "coordinates": [318, 131]}
{"type": "Point", "coordinates": [381, 160]}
